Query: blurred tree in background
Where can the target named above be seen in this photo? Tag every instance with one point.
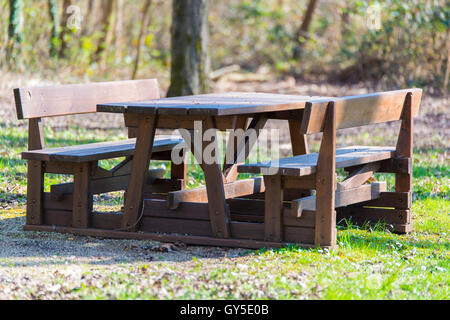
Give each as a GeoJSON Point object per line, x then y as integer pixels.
{"type": "Point", "coordinates": [402, 43]}
{"type": "Point", "coordinates": [190, 52]}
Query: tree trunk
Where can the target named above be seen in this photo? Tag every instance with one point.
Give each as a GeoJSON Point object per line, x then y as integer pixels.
{"type": "Point", "coordinates": [118, 29]}
{"type": "Point", "coordinates": [15, 32]}
{"type": "Point", "coordinates": [303, 32]}
{"type": "Point", "coordinates": [190, 40]}
{"type": "Point", "coordinates": [64, 28]}
{"type": "Point", "coordinates": [144, 24]}
{"type": "Point", "coordinates": [53, 11]}
{"type": "Point", "coordinates": [107, 10]}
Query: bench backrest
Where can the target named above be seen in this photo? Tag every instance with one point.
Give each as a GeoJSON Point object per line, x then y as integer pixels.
{"type": "Point", "coordinates": [41, 102]}
{"type": "Point", "coordinates": [361, 110]}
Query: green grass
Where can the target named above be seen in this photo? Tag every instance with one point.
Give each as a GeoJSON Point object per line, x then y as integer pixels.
{"type": "Point", "coordinates": [370, 263]}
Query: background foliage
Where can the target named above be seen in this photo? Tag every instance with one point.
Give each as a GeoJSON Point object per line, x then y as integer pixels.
{"type": "Point", "coordinates": [410, 49]}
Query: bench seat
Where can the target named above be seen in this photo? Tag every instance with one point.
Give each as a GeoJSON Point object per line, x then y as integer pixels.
{"type": "Point", "coordinates": [96, 151]}
{"type": "Point", "coordinates": [306, 164]}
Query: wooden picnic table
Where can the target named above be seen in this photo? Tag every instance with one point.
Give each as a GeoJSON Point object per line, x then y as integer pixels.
{"type": "Point", "coordinates": [221, 111]}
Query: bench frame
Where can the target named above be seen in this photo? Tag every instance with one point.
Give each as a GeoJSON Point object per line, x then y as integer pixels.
{"type": "Point", "coordinates": [332, 203]}
{"type": "Point", "coordinates": [74, 201]}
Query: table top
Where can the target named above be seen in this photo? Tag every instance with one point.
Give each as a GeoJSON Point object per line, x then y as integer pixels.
{"type": "Point", "coordinates": [217, 104]}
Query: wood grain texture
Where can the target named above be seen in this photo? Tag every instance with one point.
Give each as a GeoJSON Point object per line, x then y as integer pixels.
{"type": "Point", "coordinates": [325, 234]}
{"type": "Point", "coordinates": [273, 230]}
{"type": "Point", "coordinates": [141, 161]}
{"type": "Point", "coordinates": [96, 151]}
{"type": "Point", "coordinates": [216, 104]}
{"type": "Point", "coordinates": [35, 189]}
{"type": "Point", "coordinates": [307, 164]}
{"type": "Point", "coordinates": [355, 111]}
{"type": "Point", "coordinates": [403, 182]}
{"type": "Point", "coordinates": [82, 197]}
{"type": "Point", "coordinates": [40, 102]}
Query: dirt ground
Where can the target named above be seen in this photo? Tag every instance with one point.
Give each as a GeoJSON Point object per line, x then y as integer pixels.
{"type": "Point", "coordinates": [36, 262]}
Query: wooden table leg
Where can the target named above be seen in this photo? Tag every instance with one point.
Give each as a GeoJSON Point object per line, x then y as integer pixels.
{"type": "Point", "coordinates": [141, 161]}
{"type": "Point", "coordinates": [219, 211]}
{"type": "Point", "coordinates": [298, 140]}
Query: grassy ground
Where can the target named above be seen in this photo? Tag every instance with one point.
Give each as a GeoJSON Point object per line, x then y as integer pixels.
{"type": "Point", "coordinates": [370, 263]}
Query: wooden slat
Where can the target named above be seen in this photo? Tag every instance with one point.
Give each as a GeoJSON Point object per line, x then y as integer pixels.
{"type": "Point", "coordinates": [104, 185]}
{"type": "Point", "coordinates": [99, 220]}
{"type": "Point", "coordinates": [232, 190]}
{"type": "Point", "coordinates": [273, 208]}
{"type": "Point", "coordinates": [358, 177]}
{"type": "Point", "coordinates": [194, 240]}
{"type": "Point", "coordinates": [217, 104]}
{"type": "Point", "coordinates": [96, 151]}
{"type": "Point", "coordinates": [360, 110]}
{"type": "Point", "coordinates": [342, 198]}
{"type": "Point", "coordinates": [399, 200]}
{"type": "Point", "coordinates": [39, 102]}
{"type": "Point", "coordinates": [325, 234]}
{"type": "Point", "coordinates": [36, 139]}
{"type": "Point", "coordinates": [307, 164]}
{"type": "Point", "coordinates": [35, 186]}
{"type": "Point", "coordinates": [360, 215]}
{"type": "Point", "coordinates": [403, 182]}
{"type": "Point", "coordinates": [187, 210]}
{"type": "Point", "coordinates": [82, 197]}
{"type": "Point", "coordinates": [141, 161]}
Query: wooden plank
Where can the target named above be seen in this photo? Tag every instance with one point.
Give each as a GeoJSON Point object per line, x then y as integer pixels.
{"type": "Point", "coordinates": [65, 202]}
{"type": "Point", "coordinates": [193, 240]}
{"type": "Point", "coordinates": [229, 170]}
{"type": "Point", "coordinates": [304, 182]}
{"type": "Point", "coordinates": [359, 110]}
{"type": "Point", "coordinates": [403, 182]}
{"type": "Point", "coordinates": [232, 190]}
{"type": "Point", "coordinates": [95, 151]}
{"type": "Point", "coordinates": [399, 200]}
{"type": "Point", "coordinates": [304, 236]}
{"type": "Point", "coordinates": [36, 139]}
{"type": "Point", "coordinates": [342, 198]}
{"type": "Point", "coordinates": [82, 197]}
{"type": "Point", "coordinates": [141, 161]}
{"type": "Point", "coordinates": [104, 185]}
{"type": "Point", "coordinates": [298, 141]}
{"type": "Point", "coordinates": [358, 177]}
{"type": "Point", "coordinates": [176, 226]}
{"type": "Point", "coordinates": [37, 102]}
{"type": "Point", "coordinates": [187, 210]}
{"type": "Point", "coordinates": [307, 164]}
{"type": "Point", "coordinates": [325, 183]}
{"type": "Point", "coordinates": [360, 215]}
{"type": "Point", "coordinates": [217, 104]}
{"type": "Point", "coordinates": [35, 189]}
{"type": "Point", "coordinates": [100, 220]}
{"type": "Point", "coordinates": [273, 209]}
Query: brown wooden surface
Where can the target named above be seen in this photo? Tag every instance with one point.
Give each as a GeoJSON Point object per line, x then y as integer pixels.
{"type": "Point", "coordinates": [355, 111]}
{"type": "Point", "coordinates": [403, 182]}
{"type": "Point", "coordinates": [273, 230]}
{"type": "Point", "coordinates": [82, 197]}
{"type": "Point", "coordinates": [307, 164]}
{"type": "Point", "coordinates": [194, 240]}
{"type": "Point", "coordinates": [35, 186]}
{"type": "Point", "coordinates": [325, 234]}
{"type": "Point", "coordinates": [96, 151]}
{"type": "Point", "coordinates": [39, 102]}
{"type": "Point", "coordinates": [344, 197]}
{"type": "Point", "coordinates": [141, 160]}
{"type": "Point", "coordinates": [216, 104]}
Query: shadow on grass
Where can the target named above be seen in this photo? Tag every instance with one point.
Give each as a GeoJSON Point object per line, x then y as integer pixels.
{"type": "Point", "coordinates": [26, 248]}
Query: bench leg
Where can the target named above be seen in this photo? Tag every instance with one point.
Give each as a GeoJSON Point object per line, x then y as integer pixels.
{"type": "Point", "coordinates": [325, 235]}
{"type": "Point", "coordinates": [35, 189]}
{"type": "Point", "coordinates": [273, 228]}
{"type": "Point", "coordinates": [82, 197]}
{"type": "Point", "coordinates": [404, 149]}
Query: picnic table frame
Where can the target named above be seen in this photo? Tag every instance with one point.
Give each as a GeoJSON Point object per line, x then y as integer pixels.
{"type": "Point", "coordinates": [247, 111]}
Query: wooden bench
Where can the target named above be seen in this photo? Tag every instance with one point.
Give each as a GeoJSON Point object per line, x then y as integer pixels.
{"type": "Point", "coordinates": [352, 197]}
{"type": "Point", "coordinates": [81, 161]}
